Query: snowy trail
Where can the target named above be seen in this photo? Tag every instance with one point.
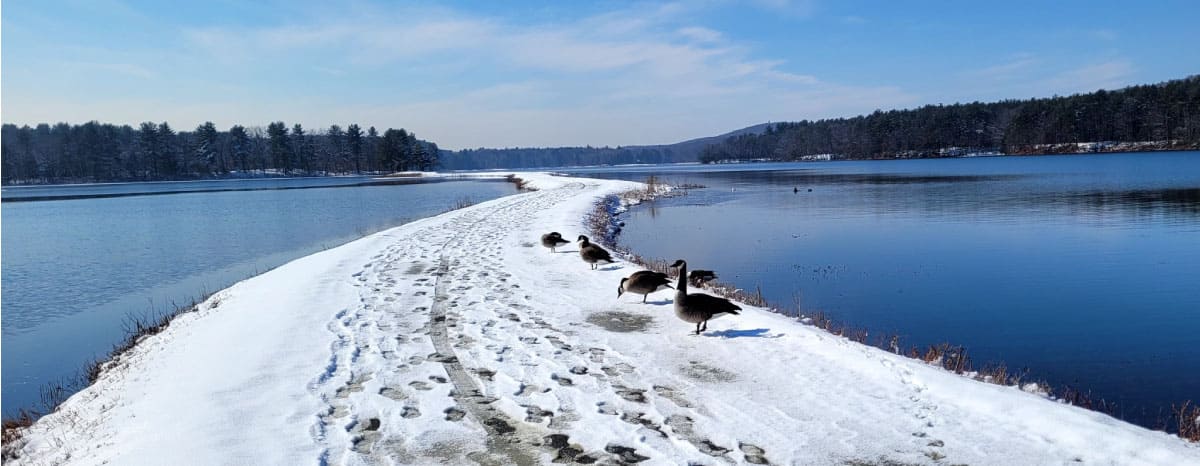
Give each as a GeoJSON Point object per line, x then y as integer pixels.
{"type": "Point", "coordinates": [458, 339]}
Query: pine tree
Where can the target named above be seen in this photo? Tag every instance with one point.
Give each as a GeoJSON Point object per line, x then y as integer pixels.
{"type": "Point", "coordinates": [372, 148]}
{"type": "Point", "coordinates": [355, 143]}
{"type": "Point", "coordinates": [205, 158]}
{"type": "Point", "coordinates": [167, 151]}
{"type": "Point", "coordinates": [148, 139]}
{"type": "Point", "coordinates": [300, 149]}
{"type": "Point", "coordinates": [336, 143]}
{"type": "Point", "coordinates": [281, 151]}
{"type": "Point", "coordinates": [239, 146]}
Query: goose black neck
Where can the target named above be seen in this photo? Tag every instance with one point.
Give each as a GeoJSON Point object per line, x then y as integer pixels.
{"type": "Point", "coordinates": [681, 287]}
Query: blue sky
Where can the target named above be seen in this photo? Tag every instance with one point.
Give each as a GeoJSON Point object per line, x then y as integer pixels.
{"type": "Point", "coordinates": [505, 74]}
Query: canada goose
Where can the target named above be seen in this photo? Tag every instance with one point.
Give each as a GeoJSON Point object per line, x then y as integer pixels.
{"type": "Point", "coordinates": [553, 240]}
{"type": "Point", "coordinates": [592, 254]}
{"type": "Point", "coordinates": [644, 282]}
{"type": "Point", "coordinates": [698, 308]}
{"type": "Point", "coordinates": [698, 277]}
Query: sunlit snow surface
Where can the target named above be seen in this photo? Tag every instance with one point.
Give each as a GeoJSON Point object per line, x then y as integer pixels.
{"type": "Point", "coordinates": [460, 339]}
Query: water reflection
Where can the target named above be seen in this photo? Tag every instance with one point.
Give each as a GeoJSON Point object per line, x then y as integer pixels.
{"type": "Point", "coordinates": [1080, 268]}
{"type": "Point", "coordinates": [73, 269]}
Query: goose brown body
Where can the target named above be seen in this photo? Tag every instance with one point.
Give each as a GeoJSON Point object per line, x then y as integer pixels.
{"type": "Point", "coordinates": [553, 240]}
{"type": "Point", "coordinates": [698, 277]}
{"type": "Point", "coordinates": [643, 282]}
{"type": "Point", "coordinates": [698, 308]}
{"type": "Point", "coordinates": [593, 254]}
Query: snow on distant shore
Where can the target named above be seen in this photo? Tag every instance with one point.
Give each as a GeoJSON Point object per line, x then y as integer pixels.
{"type": "Point", "coordinates": [459, 339]}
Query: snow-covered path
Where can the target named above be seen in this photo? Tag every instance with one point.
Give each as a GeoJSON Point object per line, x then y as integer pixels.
{"type": "Point", "coordinates": [458, 339]}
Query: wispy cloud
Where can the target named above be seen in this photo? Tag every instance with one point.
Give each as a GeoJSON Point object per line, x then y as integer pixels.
{"type": "Point", "coordinates": [700, 34]}
{"type": "Point", "coordinates": [620, 69]}
{"type": "Point", "coordinates": [797, 8]}
{"type": "Point", "coordinates": [1017, 66]}
{"type": "Point", "coordinates": [1106, 75]}
{"type": "Point", "coordinates": [1106, 35]}
{"type": "Point", "coordinates": [122, 69]}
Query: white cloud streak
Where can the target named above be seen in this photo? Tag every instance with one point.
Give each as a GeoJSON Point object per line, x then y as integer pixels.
{"type": "Point", "coordinates": [641, 75]}
{"type": "Point", "coordinates": [622, 77]}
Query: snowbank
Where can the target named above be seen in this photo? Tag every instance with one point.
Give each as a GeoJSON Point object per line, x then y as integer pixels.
{"type": "Point", "coordinates": [458, 338]}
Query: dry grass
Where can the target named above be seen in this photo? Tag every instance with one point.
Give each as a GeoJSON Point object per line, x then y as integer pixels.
{"type": "Point", "coordinates": [136, 326]}
{"type": "Point", "coordinates": [12, 431]}
{"type": "Point", "coordinates": [522, 185]}
{"type": "Point", "coordinates": [1184, 419]}
{"type": "Point", "coordinates": [461, 203]}
{"type": "Point", "coordinates": [403, 175]}
{"type": "Point", "coordinates": [954, 358]}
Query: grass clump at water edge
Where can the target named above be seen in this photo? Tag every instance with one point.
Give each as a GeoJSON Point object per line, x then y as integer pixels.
{"type": "Point", "coordinates": [1182, 420]}
{"type": "Point", "coordinates": [137, 327]}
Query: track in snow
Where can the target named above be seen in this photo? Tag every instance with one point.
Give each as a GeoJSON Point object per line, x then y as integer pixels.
{"type": "Point", "coordinates": [477, 316]}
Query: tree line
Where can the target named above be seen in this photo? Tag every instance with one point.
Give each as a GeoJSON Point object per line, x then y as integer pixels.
{"type": "Point", "coordinates": [99, 152]}
{"type": "Point", "coordinates": [519, 158]}
{"type": "Point", "coordinates": [1163, 116]}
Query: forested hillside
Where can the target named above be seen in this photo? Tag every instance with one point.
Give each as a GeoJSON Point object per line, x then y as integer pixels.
{"type": "Point", "coordinates": [1151, 117]}
{"type": "Point", "coordinates": [1163, 116]}
{"type": "Point", "coordinates": [686, 151]}
{"type": "Point", "coordinates": [95, 152]}
{"type": "Point", "coordinates": [535, 157]}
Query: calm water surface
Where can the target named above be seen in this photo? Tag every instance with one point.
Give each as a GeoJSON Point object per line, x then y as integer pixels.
{"type": "Point", "coordinates": [73, 269]}
{"type": "Point", "coordinates": [1083, 269]}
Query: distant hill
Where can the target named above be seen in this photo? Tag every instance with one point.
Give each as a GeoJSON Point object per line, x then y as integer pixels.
{"type": "Point", "coordinates": [693, 147]}
{"type": "Point", "coordinates": [1162, 116]}
{"type": "Point", "coordinates": [553, 157]}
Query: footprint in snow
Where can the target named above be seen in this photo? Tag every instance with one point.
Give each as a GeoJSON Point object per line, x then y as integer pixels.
{"type": "Point", "coordinates": [454, 414]}
{"type": "Point", "coordinates": [753, 454]}
{"type": "Point", "coordinates": [419, 385]}
{"type": "Point", "coordinates": [670, 394]}
{"type": "Point", "coordinates": [635, 395]}
{"type": "Point", "coordinates": [442, 358]}
{"type": "Point", "coordinates": [392, 392]}
{"type": "Point", "coordinates": [367, 435]}
{"type": "Point", "coordinates": [536, 414]}
{"type": "Point", "coordinates": [640, 419]}
{"type": "Point", "coordinates": [566, 382]}
{"type": "Point", "coordinates": [526, 390]}
{"type": "Point", "coordinates": [625, 454]}
{"type": "Point", "coordinates": [486, 374]}
{"type": "Point", "coordinates": [566, 451]}
{"type": "Point", "coordinates": [604, 408]}
{"type": "Point", "coordinates": [409, 412]}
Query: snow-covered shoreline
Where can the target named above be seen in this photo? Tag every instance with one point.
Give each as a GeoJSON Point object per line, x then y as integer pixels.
{"type": "Point", "coordinates": [458, 339]}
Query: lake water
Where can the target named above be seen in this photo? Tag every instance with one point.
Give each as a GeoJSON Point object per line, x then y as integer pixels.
{"type": "Point", "coordinates": [1085, 269]}
{"type": "Point", "coordinates": [73, 269]}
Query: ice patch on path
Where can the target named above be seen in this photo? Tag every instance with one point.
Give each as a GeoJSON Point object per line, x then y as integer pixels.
{"type": "Point", "coordinates": [450, 340]}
